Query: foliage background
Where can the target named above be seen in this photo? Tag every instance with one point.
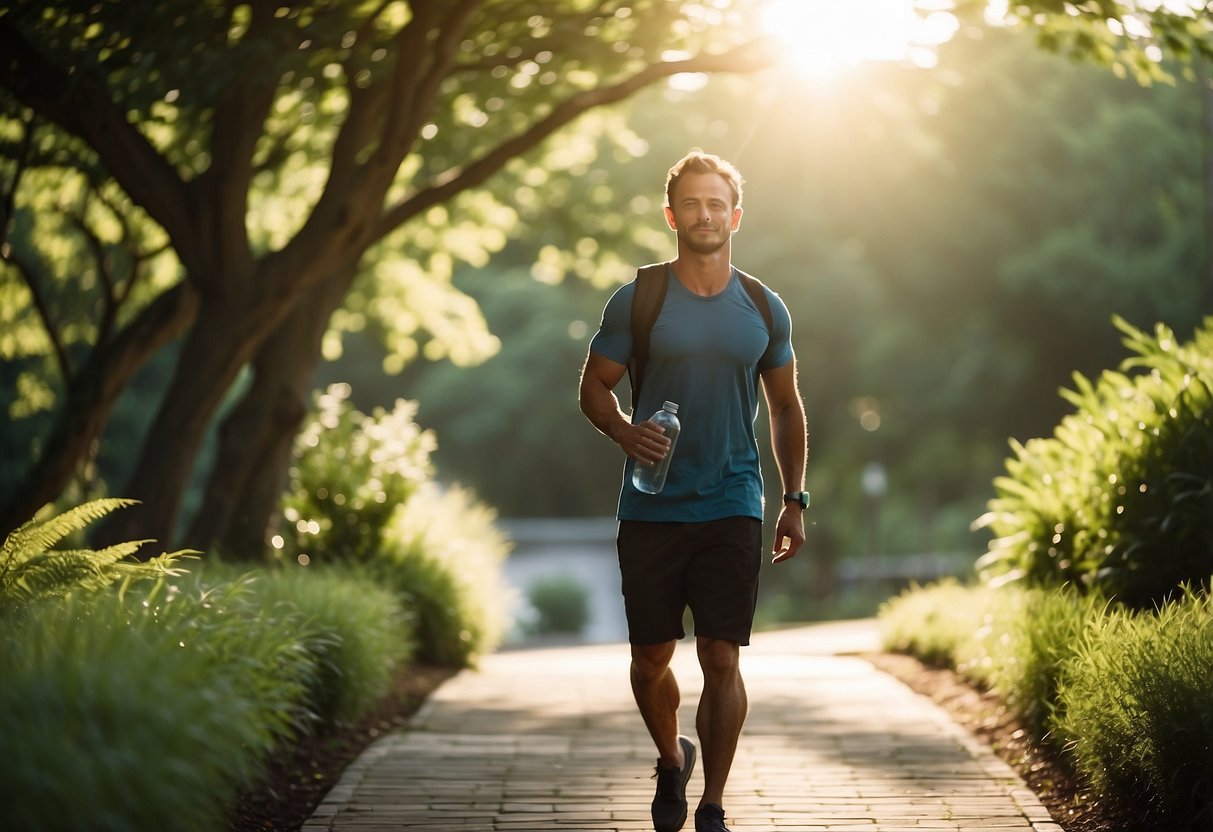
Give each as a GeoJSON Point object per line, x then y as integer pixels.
{"type": "Point", "coordinates": [953, 243]}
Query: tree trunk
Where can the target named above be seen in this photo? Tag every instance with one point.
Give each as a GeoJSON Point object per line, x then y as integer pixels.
{"type": "Point", "coordinates": [255, 442]}
{"type": "Point", "coordinates": [229, 329]}
{"type": "Point", "coordinates": [90, 399]}
{"type": "Point", "coordinates": [248, 446]}
{"type": "Point", "coordinates": [222, 339]}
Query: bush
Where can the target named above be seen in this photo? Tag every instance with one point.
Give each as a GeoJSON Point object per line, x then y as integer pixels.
{"type": "Point", "coordinates": [561, 605]}
{"type": "Point", "coordinates": [1021, 650]}
{"type": "Point", "coordinates": [1128, 696]}
{"type": "Point", "coordinates": [152, 708]}
{"type": "Point", "coordinates": [1137, 710]}
{"type": "Point", "coordinates": [1120, 498]}
{"type": "Point", "coordinates": [350, 473]}
{"type": "Point", "coordinates": [356, 632]}
{"type": "Point", "coordinates": [1013, 640]}
{"type": "Point", "coordinates": [360, 494]}
{"type": "Point", "coordinates": [1118, 504]}
{"type": "Point", "coordinates": [932, 622]}
{"type": "Point", "coordinates": [141, 715]}
{"type": "Point", "coordinates": [443, 554]}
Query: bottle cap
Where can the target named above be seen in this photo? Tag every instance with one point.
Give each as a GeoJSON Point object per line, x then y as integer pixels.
{"type": "Point", "coordinates": [670, 406]}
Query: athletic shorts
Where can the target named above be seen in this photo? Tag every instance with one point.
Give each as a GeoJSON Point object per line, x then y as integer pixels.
{"type": "Point", "coordinates": [711, 567]}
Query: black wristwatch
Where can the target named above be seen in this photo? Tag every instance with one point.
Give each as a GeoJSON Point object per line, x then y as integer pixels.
{"type": "Point", "coordinates": [801, 497]}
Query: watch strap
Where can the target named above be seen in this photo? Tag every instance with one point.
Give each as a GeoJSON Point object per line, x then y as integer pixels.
{"type": "Point", "coordinates": [801, 497]}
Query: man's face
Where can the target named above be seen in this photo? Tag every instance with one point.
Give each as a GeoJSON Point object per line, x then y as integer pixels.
{"type": "Point", "coordinates": [702, 212]}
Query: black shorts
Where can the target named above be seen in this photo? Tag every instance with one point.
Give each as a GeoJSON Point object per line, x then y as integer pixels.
{"type": "Point", "coordinates": [711, 567]}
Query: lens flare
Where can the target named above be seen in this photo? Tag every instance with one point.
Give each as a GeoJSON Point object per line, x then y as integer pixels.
{"type": "Point", "coordinates": [823, 37]}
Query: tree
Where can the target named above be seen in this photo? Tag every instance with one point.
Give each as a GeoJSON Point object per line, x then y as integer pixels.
{"type": "Point", "coordinates": [82, 314]}
{"type": "Point", "coordinates": [275, 147]}
{"type": "Point", "coordinates": [1146, 43]}
{"type": "Point", "coordinates": [1130, 38]}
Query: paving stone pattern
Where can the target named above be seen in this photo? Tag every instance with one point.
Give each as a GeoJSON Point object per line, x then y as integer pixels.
{"type": "Point", "coordinates": [550, 740]}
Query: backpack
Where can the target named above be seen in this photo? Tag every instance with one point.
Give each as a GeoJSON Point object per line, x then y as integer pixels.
{"type": "Point", "coordinates": [651, 283]}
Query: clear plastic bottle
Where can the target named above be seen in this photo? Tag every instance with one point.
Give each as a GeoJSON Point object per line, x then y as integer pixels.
{"type": "Point", "coordinates": [651, 478]}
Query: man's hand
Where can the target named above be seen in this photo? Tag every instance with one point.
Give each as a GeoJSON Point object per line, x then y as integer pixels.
{"type": "Point", "coordinates": [646, 442]}
{"type": "Point", "coordinates": [789, 533]}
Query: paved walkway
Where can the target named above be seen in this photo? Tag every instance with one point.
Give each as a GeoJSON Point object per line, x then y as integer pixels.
{"type": "Point", "coordinates": [550, 740]}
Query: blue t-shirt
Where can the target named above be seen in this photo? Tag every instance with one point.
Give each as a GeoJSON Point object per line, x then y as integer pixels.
{"type": "Point", "coordinates": [705, 354]}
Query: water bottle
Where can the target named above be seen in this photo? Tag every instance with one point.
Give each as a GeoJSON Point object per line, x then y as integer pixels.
{"type": "Point", "coordinates": [651, 478]}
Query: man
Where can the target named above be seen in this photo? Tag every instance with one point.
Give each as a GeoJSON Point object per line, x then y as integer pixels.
{"type": "Point", "coordinates": [698, 542]}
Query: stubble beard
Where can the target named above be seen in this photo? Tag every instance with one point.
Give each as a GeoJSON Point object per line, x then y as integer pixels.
{"type": "Point", "coordinates": [700, 245]}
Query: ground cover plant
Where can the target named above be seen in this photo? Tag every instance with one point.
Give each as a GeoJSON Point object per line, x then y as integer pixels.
{"type": "Point", "coordinates": [149, 709]}
{"type": "Point", "coordinates": [1135, 709]}
{"type": "Point", "coordinates": [145, 696]}
{"type": "Point", "coordinates": [1090, 614]}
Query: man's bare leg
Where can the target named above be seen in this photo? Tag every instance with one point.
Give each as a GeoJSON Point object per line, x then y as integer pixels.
{"type": "Point", "coordinates": [658, 697]}
{"type": "Point", "coordinates": [722, 712]}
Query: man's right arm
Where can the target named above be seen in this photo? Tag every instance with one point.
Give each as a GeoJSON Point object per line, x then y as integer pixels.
{"type": "Point", "coordinates": [643, 442]}
{"type": "Point", "coordinates": [597, 394]}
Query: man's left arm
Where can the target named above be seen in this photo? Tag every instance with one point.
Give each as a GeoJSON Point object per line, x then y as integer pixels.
{"type": "Point", "coordinates": [789, 443]}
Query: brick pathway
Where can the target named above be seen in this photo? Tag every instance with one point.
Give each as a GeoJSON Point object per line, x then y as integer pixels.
{"type": "Point", "coordinates": [550, 740]}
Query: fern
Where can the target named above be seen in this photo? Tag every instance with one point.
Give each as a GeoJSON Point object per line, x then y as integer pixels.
{"type": "Point", "coordinates": [31, 568]}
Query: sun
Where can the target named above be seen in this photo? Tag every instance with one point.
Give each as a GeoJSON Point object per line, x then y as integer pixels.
{"type": "Point", "coordinates": [823, 37]}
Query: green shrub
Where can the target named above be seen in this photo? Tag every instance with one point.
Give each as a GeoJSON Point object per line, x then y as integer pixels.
{"type": "Point", "coordinates": [561, 605]}
{"type": "Point", "coordinates": [151, 708]}
{"type": "Point", "coordinates": [1120, 498]}
{"type": "Point", "coordinates": [1020, 651]}
{"type": "Point", "coordinates": [933, 622]}
{"type": "Point", "coordinates": [350, 473]}
{"type": "Point", "coordinates": [1013, 640]}
{"type": "Point", "coordinates": [356, 632]}
{"type": "Point", "coordinates": [142, 713]}
{"type": "Point", "coordinates": [31, 568]}
{"type": "Point", "coordinates": [360, 494]}
{"type": "Point", "coordinates": [443, 553]}
{"type": "Point", "coordinates": [1136, 710]}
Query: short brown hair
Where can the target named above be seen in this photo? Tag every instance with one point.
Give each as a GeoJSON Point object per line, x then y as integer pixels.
{"type": "Point", "coordinates": [696, 161]}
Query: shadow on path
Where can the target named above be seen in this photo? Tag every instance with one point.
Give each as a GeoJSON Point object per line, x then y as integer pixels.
{"type": "Point", "coordinates": [550, 740]}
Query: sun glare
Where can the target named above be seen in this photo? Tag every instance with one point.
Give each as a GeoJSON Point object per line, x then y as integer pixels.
{"type": "Point", "coordinates": [821, 37]}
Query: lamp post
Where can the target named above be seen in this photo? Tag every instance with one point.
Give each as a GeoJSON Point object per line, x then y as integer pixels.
{"type": "Point", "coordinates": [875, 483]}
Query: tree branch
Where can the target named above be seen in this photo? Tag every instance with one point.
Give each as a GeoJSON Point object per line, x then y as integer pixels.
{"type": "Point", "coordinates": [91, 398]}
{"type": "Point", "coordinates": [746, 58]}
{"type": "Point", "coordinates": [9, 200]}
{"type": "Point", "coordinates": [605, 8]}
{"type": "Point", "coordinates": [239, 120]}
{"type": "Point", "coordinates": [444, 51]}
{"type": "Point", "coordinates": [29, 275]}
{"type": "Point", "coordinates": [110, 301]}
{"type": "Point", "coordinates": [411, 56]}
{"type": "Point", "coordinates": [353, 193]}
{"type": "Point", "coordinates": [129, 244]}
{"type": "Point", "coordinates": [84, 107]}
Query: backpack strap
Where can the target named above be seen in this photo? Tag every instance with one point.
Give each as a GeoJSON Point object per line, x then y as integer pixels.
{"type": "Point", "coordinates": [651, 283]}
{"type": "Point", "coordinates": [758, 294]}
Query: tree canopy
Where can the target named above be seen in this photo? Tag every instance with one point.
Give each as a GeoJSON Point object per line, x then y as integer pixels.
{"type": "Point", "coordinates": [228, 192]}
{"type": "Point", "coordinates": [262, 157]}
